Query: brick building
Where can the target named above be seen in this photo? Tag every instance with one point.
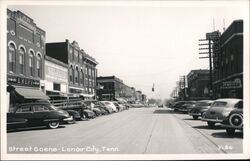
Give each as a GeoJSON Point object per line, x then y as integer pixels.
{"type": "Point", "coordinates": [82, 70]}
{"type": "Point", "coordinates": [198, 84]}
{"type": "Point", "coordinates": [113, 88]}
{"type": "Point", "coordinates": [25, 58]}
{"type": "Point", "coordinates": [228, 63]}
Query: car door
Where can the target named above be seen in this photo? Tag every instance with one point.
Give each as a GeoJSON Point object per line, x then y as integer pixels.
{"type": "Point", "coordinates": [25, 112]}
{"type": "Point", "coordinates": [40, 113]}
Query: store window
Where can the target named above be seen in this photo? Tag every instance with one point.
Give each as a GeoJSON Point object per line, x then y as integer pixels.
{"type": "Point", "coordinates": [21, 60]}
{"type": "Point", "coordinates": [12, 58]}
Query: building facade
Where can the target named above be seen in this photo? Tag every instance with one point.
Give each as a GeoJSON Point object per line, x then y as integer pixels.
{"type": "Point", "coordinates": [228, 66]}
{"type": "Point", "coordinates": [82, 71]}
{"type": "Point", "coordinates": [113, 88]}
{"type": "Point", "coordinates": [25, 58]}
{"type": "Point", "coordinates": [198, 84]}
{"type": "Point", "coordinates": [56, 77]}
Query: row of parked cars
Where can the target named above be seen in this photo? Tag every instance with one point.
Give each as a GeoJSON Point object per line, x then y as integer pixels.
{"type": "Point", "coordinates": [228, 112]}
{"type": "Point", "coordinates": [45, 113]}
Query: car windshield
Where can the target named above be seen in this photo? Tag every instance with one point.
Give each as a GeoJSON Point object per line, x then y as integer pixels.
{"type": "Point", "coordinates": [219, 104]}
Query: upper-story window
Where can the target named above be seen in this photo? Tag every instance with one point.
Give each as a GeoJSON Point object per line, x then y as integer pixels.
{"type": "Point", "coordinates": [76, 75]}
{"type": "Point", "coordinates": [39, 65]}
{"type": "Point", "coordinates": [31, 63]}
{"type": "Point", "coordinates": [21, 60]}
{"type": "Point", "coordinates": [12, 58]}
{"type": "Point", "coordinates": [71, 73]}
{"type": "Point", "coordinates": [80, 58]}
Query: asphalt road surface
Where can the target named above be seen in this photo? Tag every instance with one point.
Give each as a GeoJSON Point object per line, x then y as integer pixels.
{"type": "Point", "coordinates": [135, 131]}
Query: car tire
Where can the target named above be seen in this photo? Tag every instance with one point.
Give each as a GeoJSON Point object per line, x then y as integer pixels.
{"type": "Point", "coordinates": [53, 125]}
{"type": "Point", "coordinates": [195, 117]}
{"type": "Point", "coordinates": [236, 120]}
{"type": "Point", "coordinates": [230, 131]}
{"type": "Point", "coordinates": [210, 124]}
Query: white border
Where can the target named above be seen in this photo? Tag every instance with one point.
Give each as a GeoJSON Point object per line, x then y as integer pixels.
{"type": "Point", "coordinates": [5, 156]}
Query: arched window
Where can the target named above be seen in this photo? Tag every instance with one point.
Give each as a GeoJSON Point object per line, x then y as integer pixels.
{"type": "Point", "coordinates": [12, 58]}
{"type": "Point", "coordinates": [39, 65]}
{"type": "Point", "coordinates": [21, 60]}
{"type": "Point", "coordinates": [82, 77]}
{"type": "Point", "coordinates": [80, 81]}
{"type": "Point", "coordinates": [71, 73]}
{"type": "Point", "coordinates": [76, 75]}
{"type": "Point", "coordinates": [31, 63]}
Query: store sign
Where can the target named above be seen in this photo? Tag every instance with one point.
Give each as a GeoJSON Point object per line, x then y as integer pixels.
{"type": "Point", "coordinates": [14, 80]}
{"type": "Point", "coordinates": [232, 84]}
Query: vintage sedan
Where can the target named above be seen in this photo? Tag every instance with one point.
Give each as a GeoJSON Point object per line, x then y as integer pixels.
{"type": "Point", "coordinates": [178, 104]}
{"type": "Point", "coordinates": [186, 107]}
{"type": "Point", "coordinates": [110, 104]}
{"type": "Point", "coordinates": [220, 110]}
{"type": "Point", "coordinates": [36, 114]}
{"type": "Point", "coordinates": [234, 121]}
{"type": "Point", "coordinates": [200, 108]}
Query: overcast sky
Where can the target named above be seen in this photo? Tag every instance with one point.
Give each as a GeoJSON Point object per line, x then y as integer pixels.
{"type": "Point", "coordinates": [140, 44]}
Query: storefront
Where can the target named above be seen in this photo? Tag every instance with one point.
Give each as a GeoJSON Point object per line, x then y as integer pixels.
{"type": "Point", "coordinates": [22, 90]}
{"type": "Point", "coordinates": [230, 88]}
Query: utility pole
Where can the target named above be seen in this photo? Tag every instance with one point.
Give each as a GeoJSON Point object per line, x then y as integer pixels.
{"type": "Point", "coordinates": [211, 38]}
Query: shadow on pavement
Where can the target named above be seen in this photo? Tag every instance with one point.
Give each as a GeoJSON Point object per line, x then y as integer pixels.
{"type": "Point", "coordinates": [191, 119]}
{"type": "Point", "coordinates": [33, 129]}
{"type": "Point", "coordinates": [225, 135]}
{"type": "Point", "coordinates": [164, 111]}
{"type": "Point", "coordinates": [209, 128]}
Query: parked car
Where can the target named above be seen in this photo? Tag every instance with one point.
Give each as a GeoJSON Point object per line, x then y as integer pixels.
{"type": "Point", "coordinates": [178, 104]}
{"type": "Point", "coordinates": [220, 110]}
{"type": "Point", "coordinates": [75, 115]}
{"type": "Point", "coordinates": [187, 106]}
{"type": "Point", "coordinates": [107, 108]}
{"type": "Point", "coordinates": [36, 114]}
{"type": "Point", "coordinates": [160, 106]}
{"type": "Point", "coordinates": [200, 108]}
{"type": "Point", "coordinates": [110, 104]}
{"type": "Point", "coordinates": [118, 106]}
{"type": "Point", "coordinates": [234, 121]}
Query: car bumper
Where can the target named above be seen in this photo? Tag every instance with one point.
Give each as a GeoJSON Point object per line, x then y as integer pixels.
{"type": "Point", "coordinates": [212, 120]}
{"type": "Point", "coordinates": [68, 119]}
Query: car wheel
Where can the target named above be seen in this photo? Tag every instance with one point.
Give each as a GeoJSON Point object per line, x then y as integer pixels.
{"type": "Point", "coordinates": [195, 117]}
{"type": "Point", "coordinates": [236, 119]}
{"type": "Point", "coordinates": [230, 131]}
{"type": "Point", "coordinates": [53, 125]}
{"type": "Point", "coordinates": [210, 124]}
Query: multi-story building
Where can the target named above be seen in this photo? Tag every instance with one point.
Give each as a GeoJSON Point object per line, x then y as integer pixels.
{"type": "Point", "coordinates": [198, 84]}
{"type": "Point", "coordinates": [113, 88]}
{"type": "Point", "coordinates": [82, 70]}
{"type": "Point", "coordinates": [56, 77]}
{"type": "Point", "coordinates": [228, 63]}
{"type": "Point", "coordinates": [25, 58]}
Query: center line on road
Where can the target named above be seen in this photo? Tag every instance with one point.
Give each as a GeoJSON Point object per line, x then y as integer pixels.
{"type": "Point", "coordinates": [150, 136]}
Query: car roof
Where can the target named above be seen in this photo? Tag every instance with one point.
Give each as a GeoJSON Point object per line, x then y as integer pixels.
{"type": "Point", "coordinates": [228, 100]}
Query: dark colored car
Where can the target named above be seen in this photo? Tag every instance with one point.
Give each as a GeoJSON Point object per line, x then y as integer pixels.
{"type": "Point", "coordinates": [187, 106]}
{"type": "Point", "coordinates": [200, 108]}
{"type": "Point", "coordinates": [75, 115]}
{"type": "Point", "coordinates": [178, 104]}
{"type": "Point", "coordinates": [234, 121]}
{"type": "Point", "coordinates": [36, 114]}
{"type": "Point", "coordinates": [220, 110]}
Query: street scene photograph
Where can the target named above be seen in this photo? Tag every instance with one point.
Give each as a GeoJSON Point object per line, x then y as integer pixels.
{"type": "Point", "coordinates": [125, 78]}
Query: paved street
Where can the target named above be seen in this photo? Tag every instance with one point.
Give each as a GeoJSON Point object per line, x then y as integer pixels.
{"type": "Point", "coordinates": [135, 131]}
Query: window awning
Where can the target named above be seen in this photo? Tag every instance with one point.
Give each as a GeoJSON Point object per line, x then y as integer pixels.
{"type": "Point", "coordinates": [29, 93]}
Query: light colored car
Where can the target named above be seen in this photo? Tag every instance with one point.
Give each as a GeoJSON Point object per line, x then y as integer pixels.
{"type": "Point", "coordinates": [200, 108]}
{"type": "Point", "coordinates": [110, 104]}
{"type": "Point", "coordinates": [220, 110]}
